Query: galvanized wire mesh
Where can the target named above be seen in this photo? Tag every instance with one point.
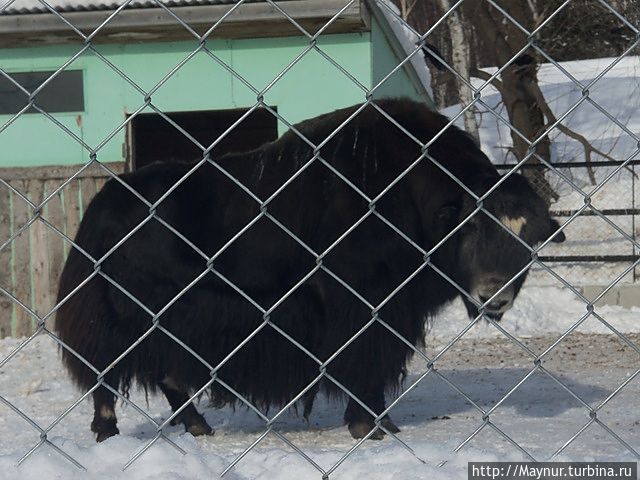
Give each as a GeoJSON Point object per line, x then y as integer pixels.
{"type": "Point", "coordinates": [484, 418]}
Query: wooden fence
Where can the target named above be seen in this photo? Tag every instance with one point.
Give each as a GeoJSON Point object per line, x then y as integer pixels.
{"type": "Point", "coordinates": [31, 264]}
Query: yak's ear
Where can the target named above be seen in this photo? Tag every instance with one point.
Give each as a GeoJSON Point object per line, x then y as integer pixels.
{"type": "Point", "coordinates": [553, 227]}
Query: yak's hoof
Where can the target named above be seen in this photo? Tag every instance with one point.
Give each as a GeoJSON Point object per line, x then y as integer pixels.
{"type": "Point", "coordinates": [103, 435]}
{"type": "Point", "coordinates": [104, 428]}
{"type": "Point", "coordinates": [389, 425]}
{"type": "Point", "coordinates": [196, 425]}
{"type": "Point", "coordinates": [198, 429]}
{"type": "Point", "coordinates": [361, 429]}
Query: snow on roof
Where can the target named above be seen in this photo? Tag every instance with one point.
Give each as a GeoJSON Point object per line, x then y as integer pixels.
{"type": "Point", "coordinates": [407, 39]}
{"type": "Point", "coordinates": [17, 7]}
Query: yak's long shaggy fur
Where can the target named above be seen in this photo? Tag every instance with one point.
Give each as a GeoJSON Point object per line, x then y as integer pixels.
{"type": "Point", "coordinates": [154, 265]}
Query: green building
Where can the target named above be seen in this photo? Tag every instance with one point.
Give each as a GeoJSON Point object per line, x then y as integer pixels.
{"type": "Point", "coordinates": [144, 61]}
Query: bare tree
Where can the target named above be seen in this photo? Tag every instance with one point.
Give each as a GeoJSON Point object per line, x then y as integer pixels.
{"type": "Point", "coordinates": [586, 29]}
{"type": "Point", "coordinates": [476, 35]}
{"type": "Point", "coordinates": [473, 35]}
{"type": "Point", "coordinates": [406, 7]}
{"type": "Point", "coordinates": [461, 62]}
{"type": "Point", "coordinates": [518, 81]}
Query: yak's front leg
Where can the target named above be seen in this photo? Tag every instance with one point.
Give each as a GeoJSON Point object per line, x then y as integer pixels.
{"type": "Point", "coordinates": [193, 422]}
{"type": "Point", "coordinates": [361, 422]}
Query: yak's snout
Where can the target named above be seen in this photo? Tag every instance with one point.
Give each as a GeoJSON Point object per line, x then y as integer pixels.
{"type": "Point", "coordinates": [489, 292]}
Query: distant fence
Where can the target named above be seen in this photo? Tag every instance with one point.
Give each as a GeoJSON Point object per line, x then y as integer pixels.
{"type": "Point", "coordinates": [31, 254]}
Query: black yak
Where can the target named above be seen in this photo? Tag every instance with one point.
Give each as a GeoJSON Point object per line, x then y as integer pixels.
{"type": "Point", "coordinates": [287, 280]}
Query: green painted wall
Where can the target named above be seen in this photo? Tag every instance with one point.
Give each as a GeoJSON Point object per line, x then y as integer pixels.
{"type": "Point", "coordinates": [310, 87]}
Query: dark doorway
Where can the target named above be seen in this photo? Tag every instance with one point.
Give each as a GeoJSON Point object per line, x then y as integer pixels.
{"type": "Point", "coordinates": [153, 139]}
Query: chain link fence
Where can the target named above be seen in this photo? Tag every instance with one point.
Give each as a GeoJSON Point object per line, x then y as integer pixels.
{"type": "Point", "coordinates": [79, 186]}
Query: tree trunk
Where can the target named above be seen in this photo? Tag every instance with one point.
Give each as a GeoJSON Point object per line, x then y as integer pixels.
{"type": "Point", "coordinates": [527, 118]}
{"type": "Point", "coordinates": [461, 63]}
{"type": "Point", "coordinates": [525, 115]}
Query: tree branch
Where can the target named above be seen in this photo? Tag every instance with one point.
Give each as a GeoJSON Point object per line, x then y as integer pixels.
{"type": "Point", "coordinates": [534, 90]}
{"type": "Point", "coordinates": [482, 75]}
{"type": "Point", "coordinates": [406, 7]}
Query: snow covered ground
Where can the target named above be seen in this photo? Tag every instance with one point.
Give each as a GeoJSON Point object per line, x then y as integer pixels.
{"type": "Point", "coordinates": [540, 415]}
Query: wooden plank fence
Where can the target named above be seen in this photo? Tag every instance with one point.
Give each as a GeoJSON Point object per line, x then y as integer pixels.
{"type": "Point", "coordinates": [30, 265]}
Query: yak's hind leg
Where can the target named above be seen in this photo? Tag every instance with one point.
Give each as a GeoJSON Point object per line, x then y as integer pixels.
{"type": "Point", "coordinates": [104, 416]}
{"type": "Point", "coordinates": [361, 422]}
{"type": "Point", "coordinates": [193, 422]}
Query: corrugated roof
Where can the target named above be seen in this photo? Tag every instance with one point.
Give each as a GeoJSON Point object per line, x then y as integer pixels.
{"type": "Point", "coordinates": [18, 7]}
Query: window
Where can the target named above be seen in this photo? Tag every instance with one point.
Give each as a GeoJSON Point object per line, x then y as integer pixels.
{"type": "Point", "coordinates": [152, 138]}
{"type": "Point", "coordinates": [64, 93]}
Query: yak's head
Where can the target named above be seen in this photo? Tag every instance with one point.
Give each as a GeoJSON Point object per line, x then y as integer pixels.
{"type": "Point", "coordinates": [492, 251]}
